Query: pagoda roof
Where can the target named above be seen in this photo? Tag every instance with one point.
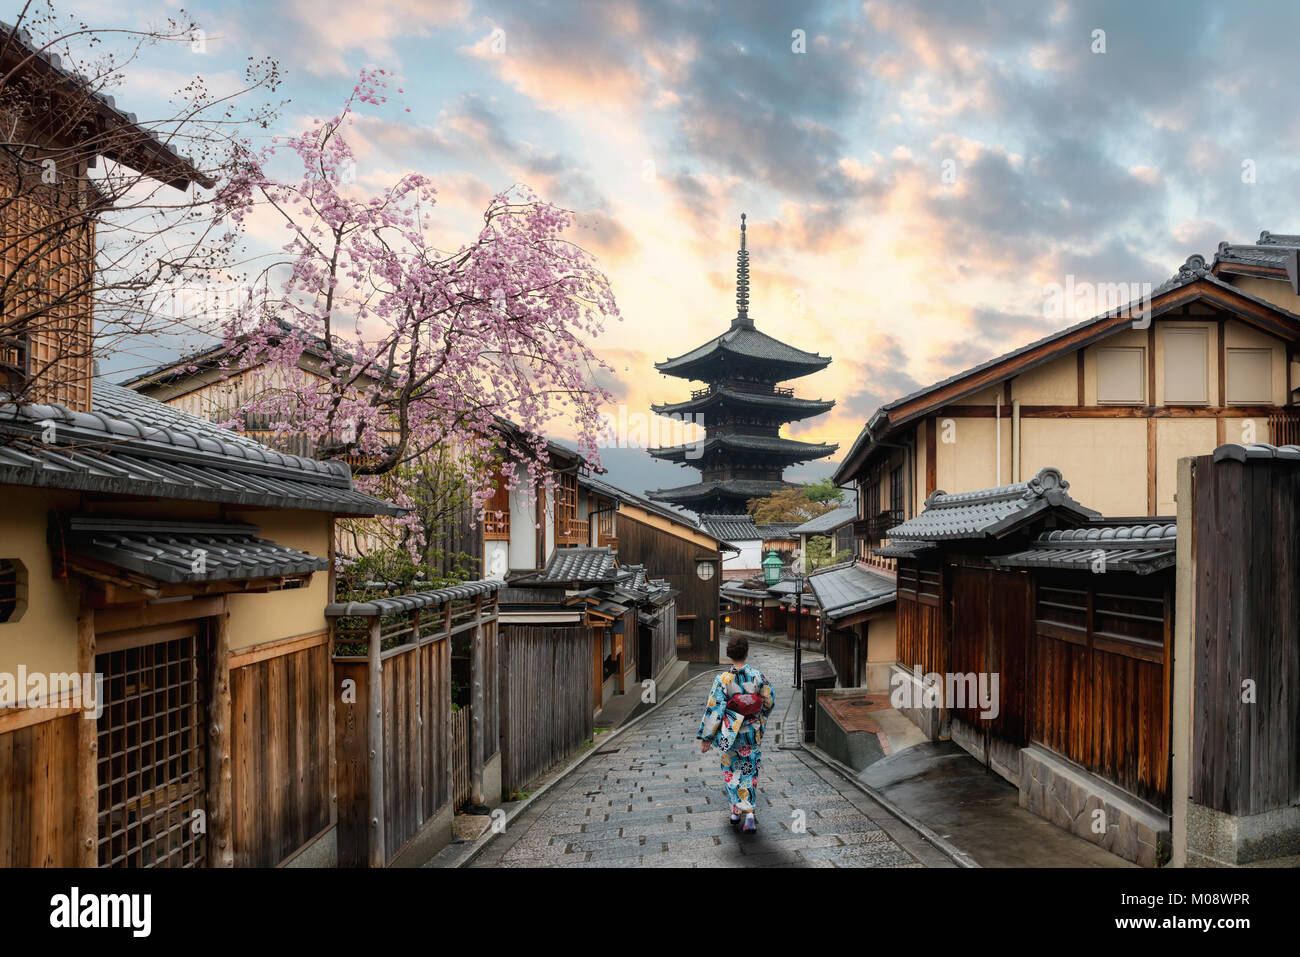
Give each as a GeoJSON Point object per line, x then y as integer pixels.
{"type": "Point", "coordinates": [767, 445]}
{"type": "Point", "coordinates": [742, 347]}
{"type": "Point", "coordinates": [719, 488]}
{"type": "Point", "coordinates": [785, 408]}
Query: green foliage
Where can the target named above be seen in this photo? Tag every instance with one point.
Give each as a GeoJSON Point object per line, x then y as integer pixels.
{"type": "Point", "coordinates": [824, 490]}
{"type": "Point", "coordinates": [820, 553]}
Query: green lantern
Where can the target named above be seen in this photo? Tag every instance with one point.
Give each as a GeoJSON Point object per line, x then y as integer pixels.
{"type": "Point", "coordinates": [772, 568]}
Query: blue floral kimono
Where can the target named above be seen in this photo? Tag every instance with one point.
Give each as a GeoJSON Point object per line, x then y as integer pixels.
{"type": "Point", "coordinates": [738, 737]}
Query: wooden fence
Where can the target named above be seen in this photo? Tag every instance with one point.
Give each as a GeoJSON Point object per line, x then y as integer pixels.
{"type": "Point", "coordinates": [1245, 753]}
{"type": "Point", "coordinates": [460, 757]}
{"type": "Point", "coordinates": [546, 698]}
{"type": "Point", "coordinates": [394, 723]}
{"type": "Point", "coordinates": [663, 642]}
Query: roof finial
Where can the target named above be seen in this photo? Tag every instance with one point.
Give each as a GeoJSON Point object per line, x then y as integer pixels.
{"type": "Point", "coordinates": [742, 277]}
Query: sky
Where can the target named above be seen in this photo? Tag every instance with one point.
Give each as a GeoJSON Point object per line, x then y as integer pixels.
{"type": "Point", "coordinates": [915, 173]}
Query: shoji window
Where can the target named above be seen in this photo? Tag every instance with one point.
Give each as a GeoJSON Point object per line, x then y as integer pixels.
{"type": "Point", "coordinates": [1186, 366]}
{"type": "Point", "coordinates": [1121, 375]}
{"type": "Point", "coordinates": [1250, 376]}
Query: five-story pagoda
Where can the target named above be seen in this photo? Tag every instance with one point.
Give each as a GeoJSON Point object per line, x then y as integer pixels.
{"type": "Point", "coordinates": [742, 409]}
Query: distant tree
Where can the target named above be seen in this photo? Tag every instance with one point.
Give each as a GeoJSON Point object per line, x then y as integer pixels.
{"type": "Point", "coordinates": [823, 490]}
{"type": "Point", "coordinates": [819, 553]}
{"type": "Point", "coordinates": [788, 505]}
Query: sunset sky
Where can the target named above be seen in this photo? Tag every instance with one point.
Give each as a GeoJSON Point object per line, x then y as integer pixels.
{"type": "Point", "coordinates": [661, 122]}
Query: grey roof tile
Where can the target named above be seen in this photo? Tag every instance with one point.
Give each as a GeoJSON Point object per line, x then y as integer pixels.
{"type": "Point", "coordinates": [398, 604]}
{"type": "Point", "coordinates": [849, 588]}
{"type": "Point", "coordinates": [1140, 548]}
{"type": "Point", "coordinates": [826, 523]}
{"type": "Point", "coordinates": [133, 445]}
{"type": "Point", "coordinates": [170, 551]}
{"type": "Point", "coordinates": [991, 512]}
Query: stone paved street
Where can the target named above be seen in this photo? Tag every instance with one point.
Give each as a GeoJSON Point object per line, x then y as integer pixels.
{"type": "Point", "coordinates": [649, 798]}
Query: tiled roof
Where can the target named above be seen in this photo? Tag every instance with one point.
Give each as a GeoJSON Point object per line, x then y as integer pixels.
{"type": "Point", "coordinates": [745, 342]}
{"type": "Point", "coordinates": [153, 150]}
{"type": "Point", "coordinates": [1271, 250]}
{"type": "Point", "coordinates": [785, 408]}
{"type": "Point", "coordinates": [398, 604]}
{"type": "Point", "coordinates": [176, 552]}
{"type": "Point", "coordinates": [133, 445]}
{"type": "Point", "coordinates": [583, 565]}
{"type": "Point", "coordinates": [849, 588]}
{"type": "Point", "coordinates": [734, 528]}
{"type": "Point", "coordinates": [824, 524]}
{"type": "Point", "coordinates": [1100, 547]}
{"type": "Point", "coordinates": [1259, 451]}
{"type": "Point", "coordinates": [703, 491]}
{"type": "Point", "coordinates": [1195, 269]}
{"type": "Point", "coordinates": [992, 512]}
{"type": "Point", "coordinates": [768, 445]}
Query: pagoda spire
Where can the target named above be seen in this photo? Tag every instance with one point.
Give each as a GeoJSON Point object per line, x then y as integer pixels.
{"type": "Point", "coordinates": [742, 281]}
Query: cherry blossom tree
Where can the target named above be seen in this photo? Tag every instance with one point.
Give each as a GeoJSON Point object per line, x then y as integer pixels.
{"type": "Point", "coordinates": [418, 348]}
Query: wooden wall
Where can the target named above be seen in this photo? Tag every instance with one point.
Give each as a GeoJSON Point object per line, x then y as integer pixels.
{"type": "Point", "coordinates": [667, 556]}
{"type": "Point", "coordinates": [546, 697]}
{"type": "Point", "coordinates": [1100, 668]}
{"type": "Point", "coordinates": [38, 790]}
{"type": "Point", "coordinates": [279, 749]}
{"type": "Point", "coordinates": [840, 646]}
{"type": "Point", "coordinates": [417, 747]}
{"type": "Point", "coordinates": [1245, 755]}
{"type": "Point", "coordinates": [663, 643]}
{"type": "Point", "coordinates": [920, 639]}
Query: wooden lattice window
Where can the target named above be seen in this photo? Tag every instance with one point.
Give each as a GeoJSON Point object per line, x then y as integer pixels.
{"type": "Point", "coordinates": [152, 755]}
{"type": "Point", "coordinates": [13, 589]}
{"type": "Point", "coordinates": [47, 244]}
{"type": "Point", "coordinates": [496, 520]}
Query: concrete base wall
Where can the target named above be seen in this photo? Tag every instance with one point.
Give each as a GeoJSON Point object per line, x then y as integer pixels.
{"type": "Point", "coordinates": [1216, 839]}
{"type": "Point", "coordinates": [857, 749]}
{"type": "Point", "coordinates": [428, 841]}
{"type": "Point", "coordinates": [1069, 797]}
{"type": "Point", "coordinates": [322, 852]}
{"type": "Point", "coordinates": [492, 780]}
{"type": "Point", "coordinates": [933, 722]}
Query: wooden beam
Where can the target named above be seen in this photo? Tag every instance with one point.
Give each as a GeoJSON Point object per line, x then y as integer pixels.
{"type": "Point", "coordinates": [375, 743]}
{"type": "Point", "coordinates": [477, 706]}
{"type": "Point", "coordinates": [1151, 366]}
{"type": "Point", "coordinates": [1151, 467]}
{"type": "Point", "coordinates": [1079, 363]}
{"type": "Point", "coordinates": [87, 810]}
{"type": "Point", "coordinates": [120, 619]}
{"type": "Point", "coordinates": [931, 455]}
{"type": "Point", "coordinates": [1223, 365]}
{"type": "Point", "coordinates": [220, 787]}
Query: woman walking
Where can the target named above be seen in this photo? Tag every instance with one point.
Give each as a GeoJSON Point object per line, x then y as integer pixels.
{"type": "Point", "coordinates": [734, 718]}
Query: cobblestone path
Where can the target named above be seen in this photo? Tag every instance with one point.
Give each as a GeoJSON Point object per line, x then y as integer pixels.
{"type": "Point", "coordinates": [649, 798]}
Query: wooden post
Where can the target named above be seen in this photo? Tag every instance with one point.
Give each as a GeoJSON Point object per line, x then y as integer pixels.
{"type": "Point", "coordinates": [420, 693]}
{"type": "Point", "coordinates": [375, 743]}
{"type": "Point", "coordinates": [87, 809]}
{"type": "Point", "coordinates": [447, 762]}
{"type": "Point", "coordinates": [220, 789]}
{"type": "Point", "coordinates": [477, 704]}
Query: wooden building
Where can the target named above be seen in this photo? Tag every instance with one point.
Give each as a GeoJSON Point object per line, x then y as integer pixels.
{"type": "Point", "coordinates": [1037, 635]}
{"type": "Point", "coordinates": [742, 408]}
{"type": "Point", "coordinates": [689, 557]}
{"type": "Point", "coordinates": [1114, 402]}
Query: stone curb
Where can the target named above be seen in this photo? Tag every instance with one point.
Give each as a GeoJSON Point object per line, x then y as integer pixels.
{"type": "Point", "coordinates": [487, 837]}
{"type": "Point", "coordinates": [944, 846]}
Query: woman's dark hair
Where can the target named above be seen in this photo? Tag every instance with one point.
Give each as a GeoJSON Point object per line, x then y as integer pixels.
{"type": "Point", "coordinates": [738, 648]}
